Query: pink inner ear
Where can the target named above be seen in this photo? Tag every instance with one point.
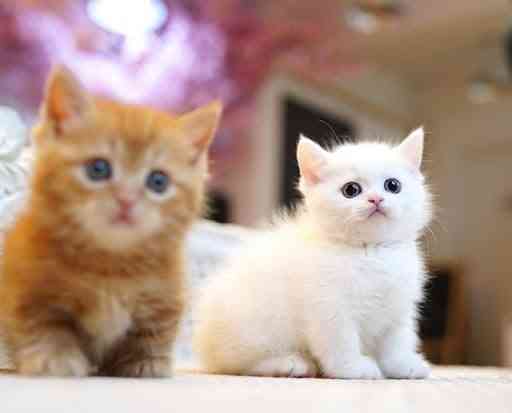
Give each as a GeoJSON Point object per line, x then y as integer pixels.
{"type": "Point", "coordinates": [202, 140]}
{"type": "Point", "coordinates": [64, 114]}
{"type": "Point", "coordinates": [310, 177]}
{"type": "Point", "coordinates": [66, 100]}
{"type": "Point", "coordinates": [311, 159]}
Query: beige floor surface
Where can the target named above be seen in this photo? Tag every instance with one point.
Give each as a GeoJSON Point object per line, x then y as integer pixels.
{"type": "Point", "coordinates": [448, 390]}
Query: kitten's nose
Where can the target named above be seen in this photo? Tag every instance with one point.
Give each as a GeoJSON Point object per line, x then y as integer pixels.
{"type": "Point", "coordinates": [126, 203]}
{"type": "Point", "coordinates": [126, 198]}
{"type": "Point", "coordinates": [375, 200]}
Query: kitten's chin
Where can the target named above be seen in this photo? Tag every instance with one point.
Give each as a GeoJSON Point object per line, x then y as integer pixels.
{"type": "Point", "coordinates": [118, 236]}
{"type": "Point", "coordinates": [384, 229]}
{"type": "Point", "coordinates": [115, 241]}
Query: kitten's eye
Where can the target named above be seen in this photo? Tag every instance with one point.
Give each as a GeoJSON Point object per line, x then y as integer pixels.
{"type": "Point", "coordinates": [98, 170]}
{"type": "Point", "coordinates": [351, 189]}
{"type": "Point", "coordinates": [392, 185]}
{"type": "Point", "coordinates": [157, 181]}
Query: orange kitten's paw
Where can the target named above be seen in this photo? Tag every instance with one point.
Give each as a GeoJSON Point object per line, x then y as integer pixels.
{"type": "Point", "coordinates": [65, 364]}
{"type": "Point", "coordinates": [149, 367]}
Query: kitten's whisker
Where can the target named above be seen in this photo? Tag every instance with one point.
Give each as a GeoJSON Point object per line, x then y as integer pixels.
{"type": "Point", "coordinates": [334, 135]}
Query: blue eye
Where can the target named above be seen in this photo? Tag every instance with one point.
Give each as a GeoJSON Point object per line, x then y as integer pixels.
{"type": "Point", "coordinates": [392, 185]}
{"type": "Point", "coordinates": [98, 170]}
{"type": "Point", "coordinates": [351, 190]}
{"type": "Point", "coordinates": [157, 181]}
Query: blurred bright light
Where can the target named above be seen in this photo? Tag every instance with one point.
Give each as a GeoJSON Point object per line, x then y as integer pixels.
{"type": "Point", "coordinates": [131, 18]}
{"type": "Point", "coordinates": [361, 21]}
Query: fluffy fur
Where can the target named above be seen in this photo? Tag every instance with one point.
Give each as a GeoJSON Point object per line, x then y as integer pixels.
{"type": "Point", "coordinates": [92, 275]}
{"type": "Point", "coordinates": [334, 290]}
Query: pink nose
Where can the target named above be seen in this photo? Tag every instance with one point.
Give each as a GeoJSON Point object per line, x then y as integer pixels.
{"type": "Point", "coordinates": [125, 204]}
{"type": "Point", "coordinates": [375, 200]}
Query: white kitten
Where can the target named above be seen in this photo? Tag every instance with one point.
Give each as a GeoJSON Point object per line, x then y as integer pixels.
{"type": "Point", "coordinates": [333, 290]}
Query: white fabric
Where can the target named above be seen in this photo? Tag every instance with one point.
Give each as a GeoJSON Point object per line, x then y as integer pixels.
{"type": "Point", "coordinates": [14, 164]}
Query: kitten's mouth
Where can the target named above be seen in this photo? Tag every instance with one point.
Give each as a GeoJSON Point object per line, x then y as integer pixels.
{"type": "Point", "coordinates": [124, 219]}
{"type": "Point", "coordinates": [377, 212]}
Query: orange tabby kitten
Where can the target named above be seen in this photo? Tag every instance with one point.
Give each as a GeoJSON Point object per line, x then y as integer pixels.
{"type": "Point", "coordinates": [92, 276]}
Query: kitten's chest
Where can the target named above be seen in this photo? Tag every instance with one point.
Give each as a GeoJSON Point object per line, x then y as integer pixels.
{"type": "Point", "coordinates": [381, 283]}
{"type": "Point", "coordinates": [108, 320]}
{"type": "Point", "coordinates": [384, 269]}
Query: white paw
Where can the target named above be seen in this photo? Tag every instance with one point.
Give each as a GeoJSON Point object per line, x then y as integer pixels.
{"type": "Point", "coordinates": [301, 367]}
{"type": "Point", "coordinates": [293, 365]}
{"type": "Point", "coordinates": [364, 368]}
{"type": "Point", "coordinates": [410, 366]}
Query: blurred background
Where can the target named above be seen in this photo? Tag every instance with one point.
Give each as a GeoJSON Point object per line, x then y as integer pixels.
{"type": "Point", "coordinates": [356, 69]}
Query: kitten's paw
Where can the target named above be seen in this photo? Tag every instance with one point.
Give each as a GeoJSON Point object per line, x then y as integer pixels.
{"type": "Point", "coordinates": [293, 365]}
{"type": "Point", "coordinates": [364, 368]}
{"type": "Point", "coordinates": [407, 366]}
{"type": "Point", "coordinates": [65, 364]}
{"type": "Point", "coordinates": [151, 367]}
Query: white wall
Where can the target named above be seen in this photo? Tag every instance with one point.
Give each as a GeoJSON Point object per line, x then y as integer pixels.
{"type": "Point", "coordinates": [471, 169]}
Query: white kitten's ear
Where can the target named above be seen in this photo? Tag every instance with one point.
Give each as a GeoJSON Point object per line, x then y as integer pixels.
{"type": "Point", "coordinates": [312, 159]}
{"type": "Point", "coordinates": [66, 103]}
{"type": "Point", "coordinates": [199, 126]}
{"type": "Point", "coordinates": [411, 149]}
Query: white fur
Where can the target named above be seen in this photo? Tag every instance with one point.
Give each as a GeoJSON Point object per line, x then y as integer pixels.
{"type": "Point", "coordinates": [329, 288]}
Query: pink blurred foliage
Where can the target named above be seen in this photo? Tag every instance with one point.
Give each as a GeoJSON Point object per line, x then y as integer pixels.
{"type": "Point", "coordinates": [208, 49]}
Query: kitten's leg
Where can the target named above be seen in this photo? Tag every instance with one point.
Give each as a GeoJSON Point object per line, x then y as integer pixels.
{"type": "Point", "coordinates": [51, 351]}
{"type": "Point", "coordinates": [147, 349]}
{"type": "Point", "coordinates": [292, 365]}
{"type": "Point", "coordinates": [398, 356]}
{"type": "Point", "coordinates": [337, 348]}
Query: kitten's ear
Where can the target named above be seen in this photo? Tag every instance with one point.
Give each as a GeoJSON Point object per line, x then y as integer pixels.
{"type": "Point", "coordinates": [312, 159]}
{"type": "Point", "coordinates": [199, 126]}
{"type": "Point", "coordinates": [411, 149]}
{"type": "Point", "coordinates": [66, 103]}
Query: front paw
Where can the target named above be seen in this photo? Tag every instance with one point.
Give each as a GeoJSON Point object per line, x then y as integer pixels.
{"type": "Point", "coordinates": [363, 368]}
{"type": "Point", "coordinates": [59, 364]}
{"type": "Point", "coordinates": [151, 367]}
{"type": "Point", "coordinates": [406, 366]}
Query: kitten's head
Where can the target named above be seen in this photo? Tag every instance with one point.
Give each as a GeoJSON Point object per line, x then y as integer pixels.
{"type": "Point", "coordinates": [366, 192]}
{"type": "Point", "coordinates": [118, 174]}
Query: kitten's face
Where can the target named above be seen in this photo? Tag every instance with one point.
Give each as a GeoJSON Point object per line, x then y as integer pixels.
{"type": "Point", "coordinates": [120, 173]}
{"type": "Point", "coordinates": [369, 192]}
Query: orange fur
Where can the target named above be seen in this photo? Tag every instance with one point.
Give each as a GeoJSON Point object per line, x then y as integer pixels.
{"type": "Point", "coordinates": [81, 294]}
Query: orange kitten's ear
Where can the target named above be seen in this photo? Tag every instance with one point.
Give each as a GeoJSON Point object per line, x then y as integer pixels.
{"type": "Point", "coordinates": [66, 103]}
{"type": "Point", "coordinates": [199, 126]}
